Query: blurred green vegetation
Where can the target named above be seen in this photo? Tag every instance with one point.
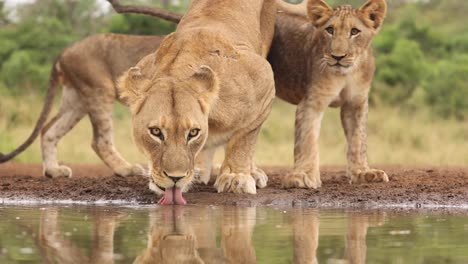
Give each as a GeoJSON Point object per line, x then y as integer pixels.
{"type": "Point", "coordinates": [422, 49]}
{"type": "Point", "coordinates": [33, 34]}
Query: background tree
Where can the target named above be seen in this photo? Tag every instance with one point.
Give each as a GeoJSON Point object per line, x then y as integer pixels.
{"type": "Point", "coordinates": [419, 48]}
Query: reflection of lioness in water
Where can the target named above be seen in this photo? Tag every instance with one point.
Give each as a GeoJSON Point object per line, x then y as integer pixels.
{"type": "Point", "coordinates": [175, 239]}
{"type": "Point", "coordinates": [208, 84]}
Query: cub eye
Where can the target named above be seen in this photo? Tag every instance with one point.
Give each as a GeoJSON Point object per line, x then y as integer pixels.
{"type": "Point", "coordinates": [156, 132]}
{"type": "Point", "coordinates": [330, 30]}
{"type": "Point", "coordinates": [355, 31]}
{"type": "Point", "coordinates": [193, 133]}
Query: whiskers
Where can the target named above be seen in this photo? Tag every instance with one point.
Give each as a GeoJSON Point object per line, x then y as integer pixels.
{"type": "Point", "coordinates": [323, 64]}
{"type": "Point", "coordinates": [338, 66]}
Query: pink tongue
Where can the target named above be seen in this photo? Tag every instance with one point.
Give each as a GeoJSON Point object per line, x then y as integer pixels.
{"type": "Point", "coordinates": [172, 196]}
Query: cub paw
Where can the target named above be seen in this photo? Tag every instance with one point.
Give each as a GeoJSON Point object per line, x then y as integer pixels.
{"type": "Point", "coordinates": [302, 180]}
{"type": "Point", "coordinates": [366, 176]}
{"type": "Point", "coordinates": [260, 177]}
{"type": "Point", "coordinates": [130, 170]}
{"type": "Point", "coordinates": [58, 172]}
{"type": "Point", "coordinates": [235, 183]}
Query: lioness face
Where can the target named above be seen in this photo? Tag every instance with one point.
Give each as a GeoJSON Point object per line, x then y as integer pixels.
{"type": "Point", "coordinates": [170, 125]}
{"type": "Point", "coordinates": [170, 129]}
{"type": "Point", "coordinates": [345, 32]}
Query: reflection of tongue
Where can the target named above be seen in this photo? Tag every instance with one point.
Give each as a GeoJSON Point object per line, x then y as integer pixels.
{"type": "Point", "coordinates": [172, 196]}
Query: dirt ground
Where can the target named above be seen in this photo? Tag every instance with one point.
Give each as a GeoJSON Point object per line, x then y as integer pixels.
{"type": "Point", "coordinates": [408, 187]}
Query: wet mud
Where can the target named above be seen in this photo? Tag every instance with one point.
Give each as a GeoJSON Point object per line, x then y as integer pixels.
{"type": "Point", "coordinates": [408, 187]}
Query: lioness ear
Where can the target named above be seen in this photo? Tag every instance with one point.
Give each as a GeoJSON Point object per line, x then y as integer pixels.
{"type": "Point", "coordinates": [373, 13]}
{"type": "Point", "coordinates": [208, 79]}
{"type": "Point", "coordinates": [319, 12]}
{"type": "Point", "coordinates": [131, 86]}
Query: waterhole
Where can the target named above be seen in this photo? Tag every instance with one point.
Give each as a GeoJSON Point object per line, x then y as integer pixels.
{"type": "Point", "coordinates": [208, 234]}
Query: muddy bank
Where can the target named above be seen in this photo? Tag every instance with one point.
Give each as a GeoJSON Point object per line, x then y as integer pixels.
{"type": "Point", "coordinates": [408, 186]}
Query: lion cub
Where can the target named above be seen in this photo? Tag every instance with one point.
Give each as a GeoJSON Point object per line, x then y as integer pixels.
{"type": "Point", "coordinates": [323, 58]}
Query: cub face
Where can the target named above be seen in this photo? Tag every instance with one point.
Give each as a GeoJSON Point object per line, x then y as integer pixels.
{"type": "Point", "coordinates": [345, 33]}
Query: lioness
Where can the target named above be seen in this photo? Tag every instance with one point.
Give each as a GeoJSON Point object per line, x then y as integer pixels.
{"type": "Point", "coordinates": [325, 59]}
{"type": "Point", "coordinates": [211, 73]}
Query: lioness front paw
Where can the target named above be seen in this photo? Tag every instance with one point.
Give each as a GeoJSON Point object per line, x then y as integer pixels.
{"type": "Point", "coordinates": [202, 176]}
{"type": "Point", "coordinates": [236, 183]}
{"type": "Point", "coordinates": [370, 175]}
{"type": "Point", "coordinates": [260, 177]}
{"type": "Point", "coordinates": [57, 172]}
{"type": "Point", "coordinates": [302, 180]}
{"type": "Point", "coordinates": [130, 170]}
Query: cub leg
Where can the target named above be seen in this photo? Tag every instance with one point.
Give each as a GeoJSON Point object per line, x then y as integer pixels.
{"type": "Point", "coordinates": [103, 142]}
{"type": "Point", "coordinates": [356, 247]}
{"type": "Point", "coordinates": [236, 235]}
{"type": "Point", "coordinates": [354, 122]}
{"type": "Point", "coordinates": [305, 225]}
{"type": "Point", "coordinates": [71, 111]}
{"type": "Point", "coordinates": [306, 173]}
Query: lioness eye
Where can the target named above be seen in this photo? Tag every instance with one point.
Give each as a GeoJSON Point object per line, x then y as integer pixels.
{"type": "Point", "coordinates": [330, 30]}
{"type": "Point", "coordinates": [156, 132]}
{"type": "Point", "coordinates": [355, 31]}
{"type": "Point", "coordinates": [193, 133]}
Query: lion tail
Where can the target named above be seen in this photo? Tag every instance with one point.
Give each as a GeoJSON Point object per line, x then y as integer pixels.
{"type": "Point", "coordinates": [50, 96]}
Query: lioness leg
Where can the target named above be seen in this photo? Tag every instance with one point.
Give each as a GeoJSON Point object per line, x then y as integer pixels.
{"type": "Point", "coordinates": [235, 175]}
{"type": "Point", "coordinates": [103, 141]}
{"type": "Point", "coordinates": [203, 165]}
{"type": "Point", "coordinates": [354, 121]}
{"type": "Point", "coordinates": [70, 113]}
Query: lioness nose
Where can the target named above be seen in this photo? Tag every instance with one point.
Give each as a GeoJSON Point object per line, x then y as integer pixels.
{"type": "Point", "coordinates": [338, 58]}
{"type": "Point", "coordinates": [175, 179]}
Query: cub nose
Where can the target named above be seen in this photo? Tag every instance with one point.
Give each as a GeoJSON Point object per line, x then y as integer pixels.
{"type": "Point", "coordinates": [338, 58]}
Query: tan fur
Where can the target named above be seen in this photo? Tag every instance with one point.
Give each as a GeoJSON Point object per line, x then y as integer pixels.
{"type": "Point", "coordinates": [306, 74]}
{"type": "Point", "coordinates": [88, 71]}
{"type": "Point", "coordinates": [173, 238]}
{"type": "Point", "coordinates": [305, 233]}
{"type": "Point", "coordinates": [211, 74]}
{"type": "Point", "coordinates": [55, 247]}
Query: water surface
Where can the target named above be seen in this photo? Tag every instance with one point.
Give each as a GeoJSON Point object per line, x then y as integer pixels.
{"type": "Point", "coordinates": [197, 234]}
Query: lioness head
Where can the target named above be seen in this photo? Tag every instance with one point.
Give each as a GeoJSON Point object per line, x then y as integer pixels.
{"type": "Point", "coordinates": [345, 33]}
{"type": "Point", "coordinates": [170, 124]}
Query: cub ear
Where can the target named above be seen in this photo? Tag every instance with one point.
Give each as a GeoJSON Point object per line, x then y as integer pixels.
{"type": "Point", "coordinates": [319, 12]}
{"type": "Point", "coordinates": [373, 13]}
{"type": "Point", "coordinates": [131, 86]}
{"type": "Point", "coordinates": [208, 80]}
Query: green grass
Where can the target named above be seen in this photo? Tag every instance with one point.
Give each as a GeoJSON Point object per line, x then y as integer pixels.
{"type": "Point", "coordinates": [396, 136]}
